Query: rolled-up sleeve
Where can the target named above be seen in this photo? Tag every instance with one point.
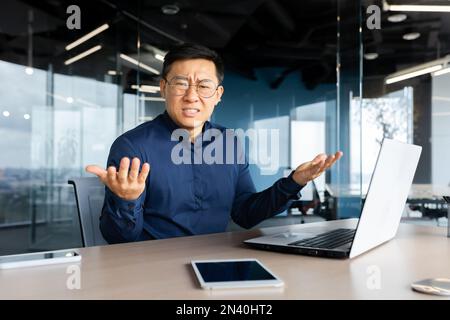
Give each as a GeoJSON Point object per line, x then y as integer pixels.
{"type": "Point", "coordinates": [251, 207]}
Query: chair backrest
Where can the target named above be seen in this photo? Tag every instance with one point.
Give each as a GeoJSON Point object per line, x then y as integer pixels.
{"type": "Point", "coordinates": [89, 194]}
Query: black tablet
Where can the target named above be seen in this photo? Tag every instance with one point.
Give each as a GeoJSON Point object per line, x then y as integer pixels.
{"type": "Point", "coordinates": [234, 273]}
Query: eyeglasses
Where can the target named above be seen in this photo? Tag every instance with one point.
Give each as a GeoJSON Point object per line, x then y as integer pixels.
{"type": "Point", "coordinates": [178, 86]}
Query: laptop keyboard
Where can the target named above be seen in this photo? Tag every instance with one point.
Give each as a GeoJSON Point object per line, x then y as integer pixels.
{"type": "Point", "coordinates": [327, 240]}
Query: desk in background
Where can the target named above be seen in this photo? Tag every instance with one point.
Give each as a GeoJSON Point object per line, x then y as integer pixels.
{"type": "Point", "coordinates": [160, 269]}
{"type": "Point", "coordinates": [426, 198]}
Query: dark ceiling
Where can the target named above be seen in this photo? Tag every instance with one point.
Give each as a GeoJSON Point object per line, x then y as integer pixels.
{"type": "Point", "coordinates": [292, 35]}
{"type": "Point", "coordinates": [395, 52]}
{"type": "Point", "coordinates": [296, 36]}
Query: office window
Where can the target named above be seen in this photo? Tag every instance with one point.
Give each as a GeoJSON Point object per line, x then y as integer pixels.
{"type": "Point", "coordinates": [389, 116]}
{"type": "Point", "coordinates": [49, 137]}
{"type": "Point", "coordinates": [17, 104]}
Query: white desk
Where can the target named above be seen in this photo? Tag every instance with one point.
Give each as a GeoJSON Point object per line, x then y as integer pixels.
{"type": "Point", "coordinates": [160, 270]}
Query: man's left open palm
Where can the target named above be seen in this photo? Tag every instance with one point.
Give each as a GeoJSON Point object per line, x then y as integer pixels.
{"type": "Point", "coordinates": [312, 169]}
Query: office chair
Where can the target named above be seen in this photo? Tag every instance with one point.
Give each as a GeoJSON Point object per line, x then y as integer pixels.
{"type": "Point", "coordinates": [89, 195]}
{"type": "Point", "coordinates": [310, 200]}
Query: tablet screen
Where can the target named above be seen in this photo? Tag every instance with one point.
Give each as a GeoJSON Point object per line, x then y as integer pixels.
{"type": "Point", "coordinates": [233, 271]}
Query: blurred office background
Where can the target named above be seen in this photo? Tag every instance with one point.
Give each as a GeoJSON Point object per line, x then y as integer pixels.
{"type": "Point", "coordinates": [311, 69]}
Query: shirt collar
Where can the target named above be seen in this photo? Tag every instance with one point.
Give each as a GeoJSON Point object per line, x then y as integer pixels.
{"type": "Point", "coordinates": [171, 125]}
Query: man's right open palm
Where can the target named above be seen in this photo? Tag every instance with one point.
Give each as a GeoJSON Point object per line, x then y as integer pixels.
{"type": "Point", "coordinates": [127, 184]}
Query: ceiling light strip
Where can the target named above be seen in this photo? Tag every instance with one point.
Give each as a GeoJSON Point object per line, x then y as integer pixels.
{"type": "Point", "coordinates": [441, 72]}
{"type": "Point", "coordinates": [91, 34]}
{"type": "Point", "coordinates": [145, 88]}
{"type": "Point", "coordinates": [413, 74]}
{"type": "Point", "coordinates": [418, 8]}
{"type": "Point", "coordinates": [82, 55]}
{"type": "Point", "coordinates": [139, 64]}
{"type": "Point", "coordinates": [160, 57]}
{"type": "Point", "coordinates": [152, 99]}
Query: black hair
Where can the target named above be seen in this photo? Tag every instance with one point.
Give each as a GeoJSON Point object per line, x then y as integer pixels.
{"type": "Point", "coordinates": [187, 51]}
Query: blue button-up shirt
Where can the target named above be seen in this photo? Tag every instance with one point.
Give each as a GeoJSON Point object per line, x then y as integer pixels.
{"type": "Point", "coordinates": [188, 198]}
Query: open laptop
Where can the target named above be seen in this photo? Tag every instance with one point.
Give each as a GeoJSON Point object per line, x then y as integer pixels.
{"type": "Point", "coordinates": [386, 197]}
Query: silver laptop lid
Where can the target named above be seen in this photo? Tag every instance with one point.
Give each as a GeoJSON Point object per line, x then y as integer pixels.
{"type": "Point", "coordinates": [386, 196]}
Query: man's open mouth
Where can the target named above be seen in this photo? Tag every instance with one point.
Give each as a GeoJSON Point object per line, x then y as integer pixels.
{"type": "Point", "coordinates": [190, 111]}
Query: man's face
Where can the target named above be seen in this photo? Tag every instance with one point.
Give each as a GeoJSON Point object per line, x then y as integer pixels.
{"type": "Point", "coordinates": [190, 109]}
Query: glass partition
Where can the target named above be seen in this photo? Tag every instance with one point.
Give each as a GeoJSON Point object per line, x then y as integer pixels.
{"type": "Point", "coordinates": [65, 97]}
{"type": "Point", "coordinates": [62, 107]}
{"type": "Point", "coordinates": [345, 182]}
{"type": "Point", "coordinates": [406, 81]}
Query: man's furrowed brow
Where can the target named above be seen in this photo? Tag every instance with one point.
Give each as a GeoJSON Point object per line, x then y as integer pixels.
{"type": "Point", "coordinates": [181, 77]}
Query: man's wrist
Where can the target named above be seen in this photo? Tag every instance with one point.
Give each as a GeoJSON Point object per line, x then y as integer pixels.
{"type": "Point", "coordinates": [297, 180]}
{"type": "Point", "coordinates": [121, 202]}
